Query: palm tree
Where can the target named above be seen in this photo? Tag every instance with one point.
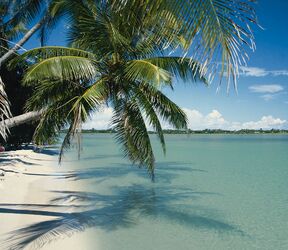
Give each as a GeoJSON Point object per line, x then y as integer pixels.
{"type": "Point", "coordinates": [211, 29]}
{"type": "Point", "coordinates": [121, 66]}
{"type": "Point", "coordinates": [19, 20]}
{"type": "Point", "coordinates": [14, 16]}
{"type": "Point", "coordinates": [123, 63]}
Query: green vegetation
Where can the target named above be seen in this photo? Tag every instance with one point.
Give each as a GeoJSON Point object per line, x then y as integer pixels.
{"type": "Point", "coordinates": [19, 20]}
{"type": "Point", "coordinates": [204, 131]}
{"type": "Point", "coordinates": [229, 132]}
{"type": "Point", "coordinates": [18, 95]}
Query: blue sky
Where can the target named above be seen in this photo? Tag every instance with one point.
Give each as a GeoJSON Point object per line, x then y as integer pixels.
{"type": "Point", "coordinates": [262, 99]}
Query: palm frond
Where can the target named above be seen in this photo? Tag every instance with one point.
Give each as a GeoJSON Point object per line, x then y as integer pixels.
{"type": "Point", "coordinates": [51, 123]}
{"type": "Point", "coordinates": [22, 12]}
{"type": "Point", "coordinates": [216, 30]}
{"type": "Point", "coordinates": [182, 68]}
{"type": "Point", "coordinates": [69, 68]}
{"type": "Point", "coordinates": [72, 107]}
{"type": "Point", "coordinates": [74, 130]}
{"type": "Point", "coordinates": [167, 110]}
{"type": "Point", "coordinates": [48, 92]}
{"type": "Point", "coordinates": [82, 106]}
{"type": "Point", "coordinates": [94, 95]}
{"type": "Point", "coordinates": [132, 134]}
{"type": "Point", "coordinates": [14, 33]}
{"type": "Point", "coordinates": [37, 55]}
{"type": "Point", "coordinates": [150, 115]}
{"type": "Point", "coordinates": [88, 101]}
{"type": "Point", "coordinates": [99, 33]}
{"type": "Point", "coordinates": [145, 70]}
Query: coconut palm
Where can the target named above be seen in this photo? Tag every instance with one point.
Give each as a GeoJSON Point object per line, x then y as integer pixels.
{"type": "Point", "coordinates": [120, 66]}
{"type": "Point", "coordinates": [19, 20]}
{"type": "Point", "coordinates": [215, 32]}
{"type": "Point", "coordinates": [15, 18]}
{"type": "Point", "coordinates": [118, 57]}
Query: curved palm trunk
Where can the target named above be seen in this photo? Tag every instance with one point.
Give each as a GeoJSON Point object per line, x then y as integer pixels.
{"type": "Point", "coordinates": [4, 110]}
{"type": "Point", "coordinates": [18, 120]}
{"type": "Point", "coordinates": [21, 119]}
{"type": "Point", "coordinates": [25, 38]}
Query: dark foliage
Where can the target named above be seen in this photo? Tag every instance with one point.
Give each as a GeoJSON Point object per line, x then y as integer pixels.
{"type": "Point", "coordinates": [17, 95]}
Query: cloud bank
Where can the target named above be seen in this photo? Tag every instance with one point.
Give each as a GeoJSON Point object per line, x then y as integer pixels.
{"type": "Point", "coordinates": [100, 119]}
{"type": "Point", "coordinates": [260, 72]}
{"type": "Point", "coordinates": [268, 88]}
{"type": "Point", "coordinates": [269, 91]}
{"type": "Point", "coordinates": [197, 121]}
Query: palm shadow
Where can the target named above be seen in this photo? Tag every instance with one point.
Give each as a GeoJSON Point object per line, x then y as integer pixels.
{"type": "Point", "coordinates": [16, 159]}
{"type": "Point", "coordinates": [123, 208]}
{"type": "Point", "coordinates": [164, 172]}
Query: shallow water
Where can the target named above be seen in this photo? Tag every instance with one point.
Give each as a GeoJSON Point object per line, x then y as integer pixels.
{"type": "Point", "coordinates": [211, 192]}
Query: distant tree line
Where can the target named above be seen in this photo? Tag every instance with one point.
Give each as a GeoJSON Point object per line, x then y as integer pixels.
{"type": "Point", "coordinates": [204, 131]}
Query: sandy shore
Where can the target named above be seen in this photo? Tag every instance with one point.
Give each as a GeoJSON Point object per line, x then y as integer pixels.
{"type": "Point", "coordinates": [33, 208]}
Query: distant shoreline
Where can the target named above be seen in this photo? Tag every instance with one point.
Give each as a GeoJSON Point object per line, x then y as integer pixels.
{"type": "Point", "coordinates": [200, 132]}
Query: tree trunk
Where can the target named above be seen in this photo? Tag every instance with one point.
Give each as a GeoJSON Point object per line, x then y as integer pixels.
{"type": "Point", "coordinates": [18, 120]}
{"type": "Point", "coordinates": [25, 38]}
{"type": "Point", "coordinates": [5, 112]}
{"type": "Point", "coordinates": [21, 119]}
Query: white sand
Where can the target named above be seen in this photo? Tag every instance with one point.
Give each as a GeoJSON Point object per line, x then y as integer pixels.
{"type": "Point", "coordinates": [26, 192]}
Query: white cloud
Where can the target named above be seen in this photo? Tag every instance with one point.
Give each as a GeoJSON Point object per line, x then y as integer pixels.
{"type": "Point", "coordinates": [260, 72]}
{"type": "Point", "coordinates": [100, 120]}
{"type": "Point", "coordinates": [253, 71]}
{"type": "Point", "coordinates": [266, 88]}
{"type": "Point", "coordinates": [266, 122]}
{"type": "Point", "coordinates": [279, 72]}
{"type": "Point", "coordinates": [197, 121]}
{"type": "Point", "coordinates": [215, 120]}
{"type": "Point", "coordinates": [268, 97]}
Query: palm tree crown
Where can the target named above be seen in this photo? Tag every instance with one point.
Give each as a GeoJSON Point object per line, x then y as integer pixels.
{"type": "Point", "coordinates": [117, 57]}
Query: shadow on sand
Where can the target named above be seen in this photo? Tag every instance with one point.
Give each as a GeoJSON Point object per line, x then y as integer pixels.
{"type": "Point", "coordinates": [122, 207]}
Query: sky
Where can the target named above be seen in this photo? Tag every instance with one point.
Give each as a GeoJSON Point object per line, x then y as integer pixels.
{"type": "Point", "coordinates": [262, 98]}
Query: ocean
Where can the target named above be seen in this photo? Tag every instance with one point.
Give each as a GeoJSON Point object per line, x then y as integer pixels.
{"type": "Point", "coordinates": [210, 192]}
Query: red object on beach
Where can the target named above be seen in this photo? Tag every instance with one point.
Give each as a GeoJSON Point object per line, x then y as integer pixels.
{"type": "Point", "coordinates": [2, 149]}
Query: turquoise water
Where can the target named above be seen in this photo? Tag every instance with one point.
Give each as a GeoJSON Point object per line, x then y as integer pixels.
{"type": "Point", "coordinates": [211, 192]}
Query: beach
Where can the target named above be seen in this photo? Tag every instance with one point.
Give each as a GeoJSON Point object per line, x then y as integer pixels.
{"type": "Point", "coordinates": [28, 193]}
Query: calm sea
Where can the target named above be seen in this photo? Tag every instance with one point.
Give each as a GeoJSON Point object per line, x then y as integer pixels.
{"type": "Point", "coordinates": [211, 192]}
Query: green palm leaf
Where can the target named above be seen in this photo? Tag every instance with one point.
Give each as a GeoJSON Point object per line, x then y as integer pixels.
{"type": "Point", "coordinates": [21, 12]}
{"type": "Point", "coordinates": [132, 133]}
{"type": "Point", "coordinates": [214, 29]}
{"type": "Point", "coordinates": [69, 68]}
{"type": "Point", "coordinates": [72, 108]}
{"type": "Point", "coordinates": [167, 110]}
{"type": "Point", "coordinates": [37, 55]}
{"type": "Point", "coordinates": [182, 68]}
{"type": "Point", "coordinates": [150, 115]}
{"type": "Point", "coordinates": [144, 70]}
